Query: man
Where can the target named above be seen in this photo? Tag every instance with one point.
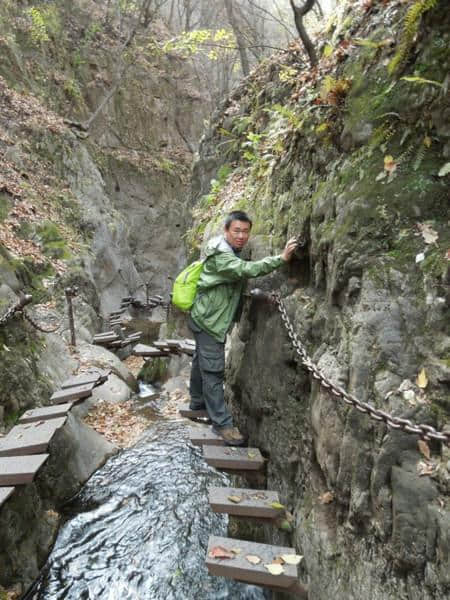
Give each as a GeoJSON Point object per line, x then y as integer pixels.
{"type": "Point", "coordinates": [218, 294]}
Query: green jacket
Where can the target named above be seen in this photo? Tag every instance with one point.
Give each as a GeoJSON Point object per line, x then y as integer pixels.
{"type": "Point", "coordinates": [220, 286]}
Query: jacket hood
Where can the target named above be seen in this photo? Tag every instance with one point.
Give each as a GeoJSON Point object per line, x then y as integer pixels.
{"type": "Point", "coordinates": [215, 245]}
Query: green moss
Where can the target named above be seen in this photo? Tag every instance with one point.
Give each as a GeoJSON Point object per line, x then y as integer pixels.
{"type": "Point", "coordinates": [53, 243]}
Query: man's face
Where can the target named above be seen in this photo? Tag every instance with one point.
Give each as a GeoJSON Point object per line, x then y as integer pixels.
{"type": "Point", "coordinates": [237, 234]}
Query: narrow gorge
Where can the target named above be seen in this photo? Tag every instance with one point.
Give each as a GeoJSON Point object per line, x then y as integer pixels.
{"type": "Point", "coordinates": [120, 156]}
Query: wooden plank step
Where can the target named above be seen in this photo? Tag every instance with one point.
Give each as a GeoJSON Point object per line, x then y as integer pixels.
{"type": "Point", "coordinates": [45, 412]}
{"type": "Point", "coordinates": [241, 569]}
{"type": "Point", "coordinates": [151, 351]}
{"type": "Point", "coordinates": [5, 493]}
{"type": "Point", "coordinates": [172, 343]}
{"type": "Point", "coordinates": [185, 411]}
{"type": "Point", "coordinates": [245, 502]}
{"type": "Point", "coordinates": [30, 438]}
{"type": "Point", "coordinates": [18, 470]}
{"type": "Point", "coordinates": [204, 436]}
{"type": "Point", "coordinates": [73, 393]}
{"type": "Point", "coordinates": [94, 376]}
{"type": "Point", "coordinates": [107, 336]}
{"type": "Point", "coordinates": [161, 345]}
{"type": "Point", "coordinates": [186, 349]}
{"type": "Point", "coordinates": [233, 458]}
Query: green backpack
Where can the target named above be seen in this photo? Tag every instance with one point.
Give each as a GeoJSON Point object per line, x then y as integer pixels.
{"type": "Point", "coordinates": [185, 285]}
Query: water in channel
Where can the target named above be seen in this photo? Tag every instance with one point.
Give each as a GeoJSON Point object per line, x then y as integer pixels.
{"type": "Point", "coordinates": [140, 528]}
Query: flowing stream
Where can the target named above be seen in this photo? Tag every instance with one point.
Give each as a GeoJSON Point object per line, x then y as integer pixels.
{"type": "Point", "coordinates": [139, 528]}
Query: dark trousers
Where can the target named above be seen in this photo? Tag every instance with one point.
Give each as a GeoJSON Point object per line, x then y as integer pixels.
{"type": "Point", "coordinates": [207, 377]}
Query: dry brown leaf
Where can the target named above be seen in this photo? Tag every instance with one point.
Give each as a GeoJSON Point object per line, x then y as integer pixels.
{"type": "Point", "coordinates": [326, 498]}
{"type": "Point", "coordinates": [278, 560]}
{"type": "Point", "coordinates": [424, 449]}
{"type": "Point", "coordinates": [424, 468]}
{"type": "Point", "coordinates": [221, 552]}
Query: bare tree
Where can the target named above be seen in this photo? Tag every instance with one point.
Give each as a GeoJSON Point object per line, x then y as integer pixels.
{"type": "Point", "coordinates": [299, 13]}
{"type": "Point", "coordinates": [240, 40]}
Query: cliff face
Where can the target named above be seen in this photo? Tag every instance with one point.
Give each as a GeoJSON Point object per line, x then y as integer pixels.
{"type": "Point", "coordinates": [102, 208]}
{"type": "Point", "coordinates": [354, 157]}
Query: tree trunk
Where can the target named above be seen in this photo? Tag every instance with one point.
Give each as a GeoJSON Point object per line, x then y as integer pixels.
{"type": "Point", "coordinates": [239, 37]}
{"type": "Point", "coordinates": [299, 13]}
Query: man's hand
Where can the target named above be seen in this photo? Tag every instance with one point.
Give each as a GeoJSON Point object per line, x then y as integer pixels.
{"type": "Point", "coordinates": [288, 251]}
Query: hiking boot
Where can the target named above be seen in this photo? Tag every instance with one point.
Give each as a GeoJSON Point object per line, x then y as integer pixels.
{"type": "Point", "coordinates": [230, 435]}
{"type": "Point", "coordinates": [193, 406]}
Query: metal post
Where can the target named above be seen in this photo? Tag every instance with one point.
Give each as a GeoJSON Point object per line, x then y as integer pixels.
{"type": "Point", "coordinates": [147, 289]}
{"type": "Point", "coordinates": [70, 293]}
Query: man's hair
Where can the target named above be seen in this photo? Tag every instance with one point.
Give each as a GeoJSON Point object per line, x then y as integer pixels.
{"type": "Point", "coordinates": [237, 215]}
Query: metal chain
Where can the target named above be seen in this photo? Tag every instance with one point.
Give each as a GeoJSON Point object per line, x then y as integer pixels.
{"type": "Point", "coordinates": [425, 432]}
{"type": "Point", "coordinates": [15, 308]}
{"type": "Point", "coordinates": [39, 327]}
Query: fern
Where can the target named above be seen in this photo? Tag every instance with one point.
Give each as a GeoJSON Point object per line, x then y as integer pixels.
{"type": "Point", "coordinates": [410, 28]}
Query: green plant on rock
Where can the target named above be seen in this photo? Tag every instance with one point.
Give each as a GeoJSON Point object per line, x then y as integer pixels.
{"type": "Point", "coordinates": [45, 22]}
{"type": "Point", "coordinates": [411, 26]}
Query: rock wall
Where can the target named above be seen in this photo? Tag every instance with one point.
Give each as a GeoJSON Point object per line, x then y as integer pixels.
{"type": "Point", "coordinates": [353, 157]}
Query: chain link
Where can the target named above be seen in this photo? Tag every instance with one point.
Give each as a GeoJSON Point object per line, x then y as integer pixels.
{"type": "Point", "coordinates": [39, 327]}
{"type": "Point", "coordinates": [426, 432]}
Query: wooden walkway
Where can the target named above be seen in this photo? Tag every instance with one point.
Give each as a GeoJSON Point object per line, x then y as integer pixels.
{"type": "Point", "coordinates": [23, 449]}
{"type": "Point", "coordinates": [272, 567]}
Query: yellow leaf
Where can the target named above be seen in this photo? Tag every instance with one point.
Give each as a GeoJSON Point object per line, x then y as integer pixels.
{"type": "Point", "coordinates": [252, 558]}
{"type": "Point", "coordinates": [422, 379]}
{"type": "Point", "coordinates": [291, 559]}
{"type": "Point", "coordinates": [427, 141]}
{"type": "Point", "coordinates": [276, 505]}
{"type": "Point", "coordinates": [274, 569]}
{"type": "Point", "coordinates": [389, 163]}
{"type": "Point", "coordinates": [235, 499]}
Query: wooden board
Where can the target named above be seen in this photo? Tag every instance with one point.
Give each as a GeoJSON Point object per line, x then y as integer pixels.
{"type": "Point", "coordinates": [150, 351]}
{"type": "Point", "coordinates": [5, 493]}
{"type": "Point", "coordinates": [202, 436]}
{"type": "Point", "coordinates": [185, 411]}
{"type": "Point", "coordinates": [45, 412]}
{"type": "Point", "coordinates": [30, 438]}
{"type": "Point", "coordinates": [19, 470]}
{"type": "Point", "coordinates": [241, 569]}
{"type": "Point", "coordinates": [244, 502]}
{"type": "Point", "coordinates": [94, 376]}
{"type": "Point", "coordinates": [73, 393]}
{"type": "Point", "coordinates": [230, 457]}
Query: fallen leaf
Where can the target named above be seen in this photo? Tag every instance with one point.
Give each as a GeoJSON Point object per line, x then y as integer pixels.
{"type": "Point", "coordinates": [221, 552]}
{"type": "Point", "coordinates": [422, 379]}
{"type": "Point", "coordinates": [252, 558]}
{"type": "Point", "coordinates": [274, 569]}
{"type": "Point", "coordinates": [389, 164]}
{"type": "Point", "coordinates": [235, 499]}
{"type": "Point", "coordinates": [326, 498]}
{"type": "Point", "coordinates": [424, 468]}
{"type": "Point", "coordinates": [251, 454]}
{"type": "Point", "coordinates": [420, 257]}
{"type": "Point", "coordinates": [429, 235]}
{"type": "Point", "coordinates": [291, 559]}
{"type": "Point", "coordinates": [427, 141]}
{"type": "Point", "coordinates": [444, 170]}
{"type": "Point", "coordinates": [277, 505]}
{"type": "Point", "coordinates": [236, 550]}
{"type": "Point", "coordinates": [278, 560]}
{"type": "Point", "coordinates": [424, 449]}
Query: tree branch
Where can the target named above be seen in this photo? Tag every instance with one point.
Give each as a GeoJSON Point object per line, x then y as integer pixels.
{"type": "Point", "coordinates": [299, 13]}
